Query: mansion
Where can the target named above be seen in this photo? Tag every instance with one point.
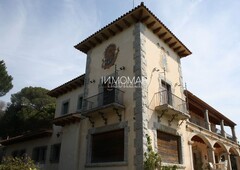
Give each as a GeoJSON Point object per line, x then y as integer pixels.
{"type": "Point", "coordinates": [132, 87]}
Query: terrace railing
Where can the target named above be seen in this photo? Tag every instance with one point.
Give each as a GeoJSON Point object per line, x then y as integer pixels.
{"type": "Point", "coordinates": [102, 99]}
{"type": "Point", "coordinates": [167, 98]}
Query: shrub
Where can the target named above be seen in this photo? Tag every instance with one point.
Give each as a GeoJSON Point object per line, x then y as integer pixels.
{"type": "Point", "coordinates": [152, 159]}
{"type": "Point", "coordinates": [23, 163]}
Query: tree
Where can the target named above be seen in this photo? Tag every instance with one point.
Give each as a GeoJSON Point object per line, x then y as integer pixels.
{"type": "Point", "coordinates": [2, 108]}
{"type": "Point", "coordinates": [5, 79]}
{"type": "Point", "coordinates": [30, 109]}
{"type": "Point", "coordinates": [23, 163]}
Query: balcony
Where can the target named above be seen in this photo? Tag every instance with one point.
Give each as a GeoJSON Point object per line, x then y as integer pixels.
{"type": "Point", "coordinates": [67, 119]}
{"type": "Point", "coordinates": [199, 122]}
{"type": "Point", "coordinates": [202, 123]}
{"type": "Point", "coordinates": [104, 102]}
{"type": "Point", "coordinates": [174, 106]}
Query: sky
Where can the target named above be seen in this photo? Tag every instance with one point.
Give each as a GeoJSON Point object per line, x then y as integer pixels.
{"type": "Point", "coordinates": [37, 39]}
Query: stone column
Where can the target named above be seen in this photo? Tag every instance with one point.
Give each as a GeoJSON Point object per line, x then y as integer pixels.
{"type": "Point", "coordinates": [238, 161]}
{"type": "Point", "coordinates": [222, 129]}
{"type": "Point", "coordinates": [190, 143]}
{"type": "Point", "coordinates": [206, 117]}
{"type": "Point", "coordinates": [211, 155]}
{"type": "Point", "coordinates": [234, 134]}
{"type": "Point", "coordinates": [229, 161]}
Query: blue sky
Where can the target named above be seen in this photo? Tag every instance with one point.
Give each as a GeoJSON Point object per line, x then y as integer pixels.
{"type": "Point", "coordinates": [37, 39]}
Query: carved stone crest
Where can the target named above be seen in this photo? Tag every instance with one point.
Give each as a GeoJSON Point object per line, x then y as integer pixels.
{"type": "Point", "coordinates": [110, 56]}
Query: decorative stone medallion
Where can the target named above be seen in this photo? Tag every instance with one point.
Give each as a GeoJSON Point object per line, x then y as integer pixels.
{"type": "Point", "coordinates": [110, 56]}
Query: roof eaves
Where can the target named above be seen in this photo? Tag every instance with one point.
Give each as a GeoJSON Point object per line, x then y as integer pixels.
{"type": "Point", "coordinates": [27, 136]}
{"type": "Point", "coordinates": [89, 42]}
{"type": "Point", "coordinates": [207, 106]}
{"type": "Point", "coordinates": [60, 89]}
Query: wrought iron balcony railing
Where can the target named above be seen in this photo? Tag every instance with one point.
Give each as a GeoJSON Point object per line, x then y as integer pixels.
{"type": "Point", "coordinates": [167, 98]}
{"type": "Point", "coordinates": [114, 96]}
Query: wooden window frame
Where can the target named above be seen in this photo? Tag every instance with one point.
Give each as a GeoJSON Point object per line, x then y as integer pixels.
{"type": "Point", "coordinates": [179, 147]}
{"type": "Point", "coordinates": [108, 128]}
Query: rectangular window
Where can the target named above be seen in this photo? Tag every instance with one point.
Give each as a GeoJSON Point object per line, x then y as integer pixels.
{"type": "Point", "coordinates": [166, 93]}
{"type": "Point", "coordinates": [18, 153]}
{"type": "Point", "coordinates": [55, 153]}
{"type": "Point", "coordinates": [108, 147]}
{"type": "Point", "coordinates": [39, 154]}
{"type": "Point", "coordinates": [169, 147]}
{"type": "Point", "coordinates": [2, 154]}
{"type": "Point", "coordinates": [65, 108]}
{"type": "Point", "coordinates": [22, 153]}
{"type": "Point", "coordinates": [80, 102]}
{"type": "Point", "coordinates": [15, 153]}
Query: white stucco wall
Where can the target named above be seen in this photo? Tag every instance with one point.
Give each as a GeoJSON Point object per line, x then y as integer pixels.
{"type": "Point", "coordinates": [72, 97]}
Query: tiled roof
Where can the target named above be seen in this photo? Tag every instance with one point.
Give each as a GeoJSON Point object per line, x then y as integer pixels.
{"type": "Point", "coordinates": [139, 14]}
{"type": "Point", "coordinates": [68, 86]}
{"type": "Point", "coordinates": [26, 136]}
{"type": "Point", "coordinates": [197, 102]}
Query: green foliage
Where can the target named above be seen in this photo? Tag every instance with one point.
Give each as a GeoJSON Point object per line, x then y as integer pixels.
{"type": "Point", "coordinates": [169, 167]}
{"type": "Point", "coordinates": [152, 159]}
{"type": "Point", "coordinates": [24, 163]}
{"type": "Point", "coordinates": [30, 109]}
{"type": "Point", "coordinates": [5, 79]}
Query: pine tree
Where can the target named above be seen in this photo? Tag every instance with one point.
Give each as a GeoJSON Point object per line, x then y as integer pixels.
{"type": "Point", "coordinates": [5, 79]}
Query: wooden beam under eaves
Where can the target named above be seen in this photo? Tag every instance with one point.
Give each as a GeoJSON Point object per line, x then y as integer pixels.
{"type": "Point", "coordinates": [144, 19]}
{"type": "Point", "coordinates": [62, 91]}
{"type": "Point", "coordinates": [172, 44]}
{"type": "Point", "coordinates": [57, 93]}
{"type": "Point", "coordinates": [104, 36]}
{"type": "Point", "coordinates": [155, 31]}
{"type": "Point", "coordinates": [119, 27]}
{"type": "Point", "coordinates": [68, 88]}
{"type": "Point", "coordinates": [111, 31]}
{"type": "Point", "coordinates": [134, 18]}
{"type": "Point", "coordinates": [81, 81]}
{"type": "Point", "coordinates": [85, 46]}
{"type": "Point", "coordinates": [126, 23]}
{"type": "Point", "coordinates": [140, 14]}
{"type": "Point", "coordinates": [167, 40]}
{"type": "Point", "coordinates": [177, 48]}
{"type": "Point", "coordinates": [151, 24]}
{"type": "Point", "coordinates": [181, 52]}
{"type": "Point", "coordinates": [162, 35]}
{"type": "Point", "coordinates": [72, 86]}
{"type": "Point", "coordinates": [92, 43]}
{"type": "Point", "coordinates": [77, 83]}
{"type": "Point", "coordinates": [98, 40]}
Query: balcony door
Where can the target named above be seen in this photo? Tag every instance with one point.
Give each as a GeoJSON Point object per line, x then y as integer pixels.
{"type": "Point", "coordinates": [108, 93]}
{"type": "Point", "coordinates": [167, 93]}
